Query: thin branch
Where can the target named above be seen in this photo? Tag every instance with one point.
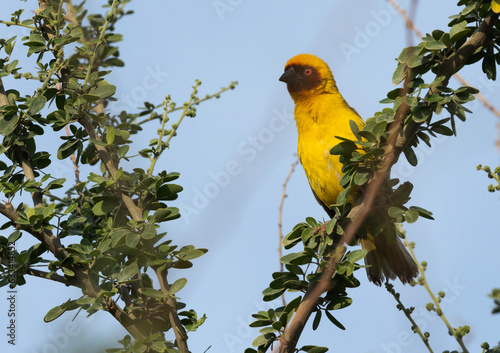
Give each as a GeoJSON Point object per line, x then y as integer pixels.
{"type": "Point", "coordinates": [73, 159]}
{"type": "Point", "coordinates": [47, 275]}
{"type": "Point", "coordinates": [100, 40]}
{"type": "Point", "coordinates": [3, 95]}
{"type": "Point", "coordinates": [20, 24]}
{"type": "Point", "coordinates": [415, 328]}
{"type": "Point", "coordinates": [280, 220]}
{"type": "Point", "coordinates": [423, 281]}
{"type": "Point", "coordinates": [170, 303]}
{"type": "Point", "coordinates": [134, 210]}
{"type": "Point", "coordinates": [29, 174]}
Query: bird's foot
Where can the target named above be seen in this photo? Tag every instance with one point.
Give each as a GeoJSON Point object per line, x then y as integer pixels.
{"type": "Point", "coordinates": [321, 230]}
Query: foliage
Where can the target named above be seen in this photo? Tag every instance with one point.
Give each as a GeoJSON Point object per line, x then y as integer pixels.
{"type": "Point", "coordinates": [111, 221]}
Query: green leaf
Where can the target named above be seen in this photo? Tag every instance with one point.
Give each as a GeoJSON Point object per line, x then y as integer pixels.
{"type": "Point", "coordinates": [71, 208]}
{"type": "Point", "coordinates": [395, 212]}
{"type": "Point", "coordinates": [422, 113]}
{"type": "Point", "coordinates": [55, 312]}
{"type": "Point", "coordinates": [343, 195]}
{"type": "Point", "coordinates": [422, 212]}
{"type": "Point", "coordinates": [97, 142]}
{"type": "Point", "coordinates": [361, 178]}
{"type": "Point", "coordinates": [104, 91]}
{"type": "Point", "coordinates": [318, 349]}
{"type": "Point", "coordinates": [168, 192]}
{"type": "Point", "coordinates": [434, 45]}
{"type": "Point", "coordinates": [37, 105]}
{"type": "Point", "coordinates": [128, 272]}
{"type": "Point", "coordinates": [317, 320]}
{"type": "Point", "coordinates": [339, 303]}
{"type": "Point", "coordinates": [458, 31]}
{"type": "Point", "coordinates": [14, 236]}
{"type": "Point", "coordinates": [262, 340]}
{"type": "Point", "coordinates": [354, 129]}
{"type": "Point", "coordinates": [166, 214]}
{"type": "Point", "coordinates": [399, 74]}
{"type": "Point", "coordinates": [411, 215]}
{"type": "Point", "coordinates": [8, 124]}
{"type": "Point", "coordinates": [132, 239]}
{"type": "Point", "coordinates": [110, 135]}
{"type": "Point", "coordinates": [410, 156]}
{"type": "Point", "coordinates": [344, 147]}
{"type": "Point", "coordinates": [68, 148]}
{"type": "Point", "coordinates": [356, 255]}
{"type": "Point", "coordinates": [177, 286]}
{"type": "Point", "coordinates": [153, 293]}
{"type": "Point", "coordinates": [149, 231]}
{"type": "Point", "coordinates": [443, 130]}
{"type": "Point", "coordinates": [334, 320]}
{"type": "Point", "coordinates": [104, 207]}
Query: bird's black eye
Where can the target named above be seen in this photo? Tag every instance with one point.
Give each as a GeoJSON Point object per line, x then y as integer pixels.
{"type": "Point", "coordinates": [307, 71]}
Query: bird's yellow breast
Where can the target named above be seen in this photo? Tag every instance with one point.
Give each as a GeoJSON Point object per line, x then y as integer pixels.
{"type": "Point", "coordinates": [319, 119]}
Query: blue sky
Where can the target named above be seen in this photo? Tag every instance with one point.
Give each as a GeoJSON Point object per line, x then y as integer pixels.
{"type": "Point", "coordinates": [234, 156]}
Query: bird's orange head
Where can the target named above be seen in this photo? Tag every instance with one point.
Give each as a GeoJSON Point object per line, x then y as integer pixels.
{"type": "Point", "coordinates": [307, 75]}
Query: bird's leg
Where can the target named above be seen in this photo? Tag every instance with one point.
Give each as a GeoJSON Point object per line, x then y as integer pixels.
{"type": "Point", "coordinates": [321, 229]}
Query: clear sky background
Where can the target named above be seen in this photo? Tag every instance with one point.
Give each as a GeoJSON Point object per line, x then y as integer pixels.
{"type": "Point", "coordinates": [249, 134]}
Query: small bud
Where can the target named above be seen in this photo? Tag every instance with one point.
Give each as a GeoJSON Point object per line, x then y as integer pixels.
{"type": "Point", "coordinates": [485, 345]}
{"type": "Point", "coordinates": [487, 169]}
{"type": "Point", "coordinates": [497, 171]}
{"type": "Point", "coordinates": [479, 167]}
{"type": "Point", "coordinates": [441, 294]}
{"type": "Point", "coordinates": [429, 306]}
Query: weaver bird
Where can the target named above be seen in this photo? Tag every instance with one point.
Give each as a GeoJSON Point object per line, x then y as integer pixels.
{"type": "Point", "coordinates": [321, 113]}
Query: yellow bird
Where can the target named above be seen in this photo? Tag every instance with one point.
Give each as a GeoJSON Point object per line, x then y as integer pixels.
{"type": "Point", "coordinates": [321, 113]}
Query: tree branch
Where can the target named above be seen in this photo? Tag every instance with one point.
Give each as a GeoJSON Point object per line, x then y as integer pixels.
{"type": "Point", "coordinates": [134, 210]}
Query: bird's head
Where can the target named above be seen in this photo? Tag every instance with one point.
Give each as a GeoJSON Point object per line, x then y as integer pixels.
{"type": "Point", "coordinates": [307, 75]}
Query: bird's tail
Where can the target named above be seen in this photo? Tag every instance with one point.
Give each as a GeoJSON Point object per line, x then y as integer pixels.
{"type": "Point", "coordinates": [387, 259]}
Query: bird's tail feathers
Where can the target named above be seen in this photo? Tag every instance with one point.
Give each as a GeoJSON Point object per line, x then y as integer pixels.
{"type": "Point", "coordinates": [388, 259]}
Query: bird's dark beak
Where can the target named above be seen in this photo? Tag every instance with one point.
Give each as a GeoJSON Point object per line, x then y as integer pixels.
{"type": "Point", "coordinates": [289, 76]}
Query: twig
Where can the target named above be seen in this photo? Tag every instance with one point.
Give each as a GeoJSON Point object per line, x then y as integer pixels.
{"type": "Point", "coordinates": [280, 220]}
{"type": "Point", "coordinates": [135, 211]}
{"type": "Point", "coordinates": [197, 102]}
{"type": "Point", "coordinates": [179, 332]}
{"type": "Point", "coordinates": [407, 312]}
{"type": "Point", "coordinates": [73, 159]}
{"type": "Point", "coordinates": [423, 281]}
{"type": "Point", "coordinates": [3, 95]}
{"type": "Point", "coordinates": [99, 41]}
{"type": "Point", "coordinates": [10, 23]}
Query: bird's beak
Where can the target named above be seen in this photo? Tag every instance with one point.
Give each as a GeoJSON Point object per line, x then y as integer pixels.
{"type": "Point", "coordinates": [289, 76]}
